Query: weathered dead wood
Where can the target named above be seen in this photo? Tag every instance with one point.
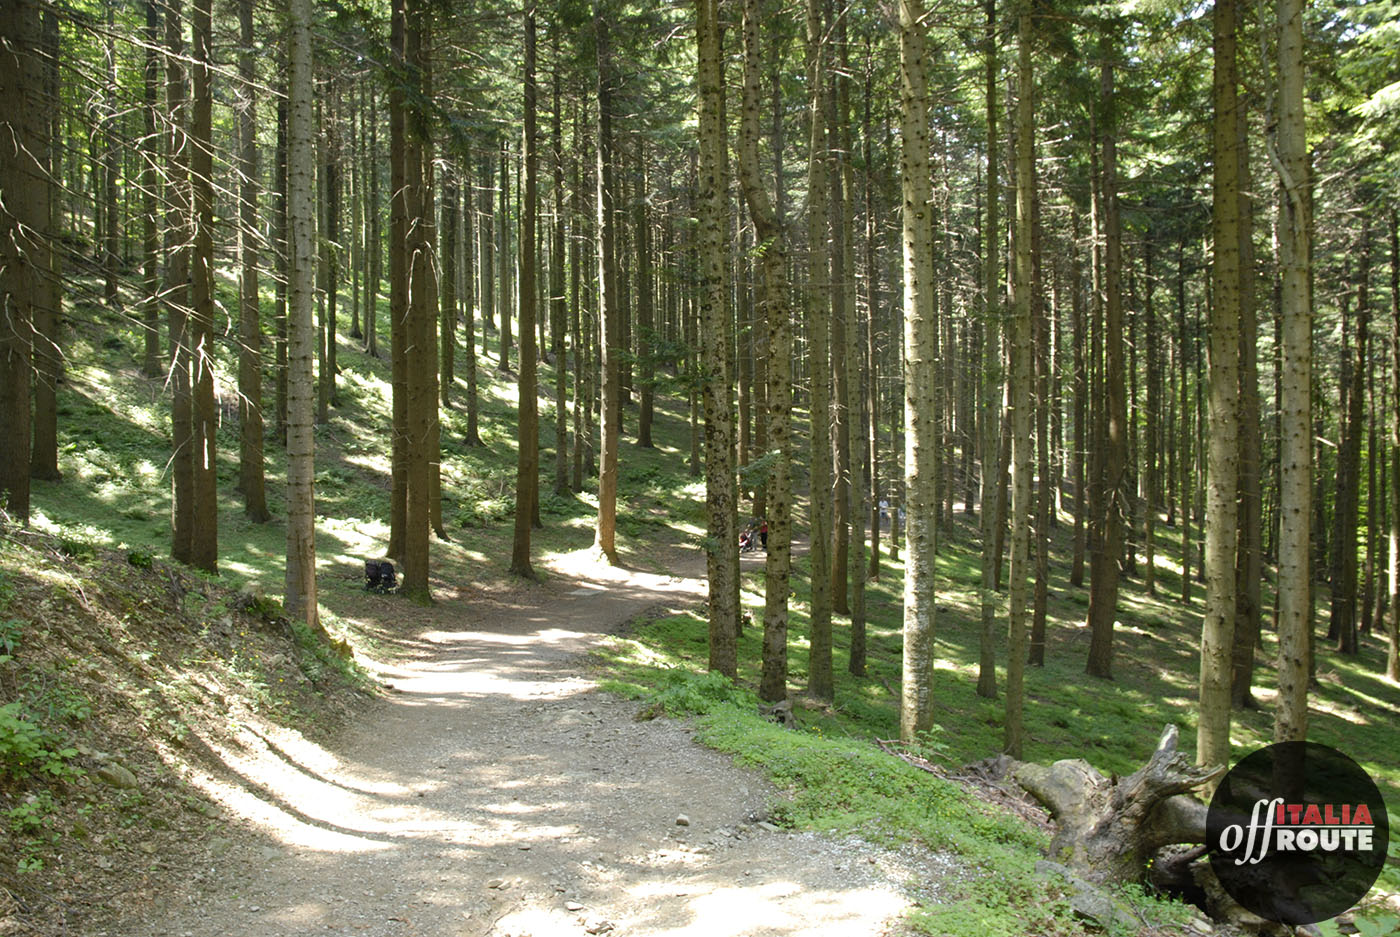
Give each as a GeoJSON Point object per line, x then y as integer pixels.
{"type": "Point", "coordinates": [1106, 829]}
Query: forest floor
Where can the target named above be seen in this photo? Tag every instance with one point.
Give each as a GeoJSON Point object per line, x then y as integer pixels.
{"type": "Point", "coordinates": [495, 791]}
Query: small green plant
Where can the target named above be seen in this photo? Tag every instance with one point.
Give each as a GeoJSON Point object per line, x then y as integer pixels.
{"type": "Point", "coordinates": [76, 548]}
{"type": "Point", "coordinates": [32, 815]}
{"type": "Point", "coordinates": [10, 633]}
{"type": "Point", "coordinates": [141, 559]}
{"type": "Point", "coordinates": [683, 693]}
{"type": "Point", "coordinates": [930, 745]}
{"type": "Point", "coordinates": [26, 748]}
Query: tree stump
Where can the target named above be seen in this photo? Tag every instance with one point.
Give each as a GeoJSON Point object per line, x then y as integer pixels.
{"type": "Point", "coordinates": [1107, 829]}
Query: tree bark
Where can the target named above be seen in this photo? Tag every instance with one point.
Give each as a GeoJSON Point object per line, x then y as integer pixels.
{"type": "Point", "coordinates": [469, 297]}
{"type": "Point", "coordinates": [1222, 471]}
{"type": "Point", "coordinates": [722, 546]}
{"type": "Point", "coordinates": [820, 680]}
{"type": "Point", "coordinates": [1249, 563]}
{"type": "Point", "coordinates": [1020, 386]}
{"type": "Point", "coordinates": [1103, 574]}
{"type": "Point", "coordinates": [420, 364]}
{"type": "Point", "coordinates": [990, 371]}
{"type": "Point", "coordinates": [1081, 402]}
{"type": "Point", "coordinates": [527, 465]}
{"type": "Point", "coordinates": [250, 409]}
{"type": "Point", "coordinates": [150, 241]}
{"type": "Point", "coordinates": [606, 542]}
{"type": "Point", "coordinates": [776, 310]}
{"type": "Point", "coordinates": [23, 212]}
{"type": "Point", "coordinates": [204, 542]}
{"type": "Point", "coordinates": [1295, 495]}
{"type": "Point", "coordinates": [48, 309]}
{"type": "Point", "coordinates": [447, 317]}
{"type": "Point", "coordinates": [920, 388]}
{"type": "Point", "coordinates": [558, 312]}
{"type": "Point", "coordinates": [1347, 503]}
{"type": "Point", "coordinates": [646, 311]}
{"type": "Point", "coordinates": [398, 285]}
{"type": "Point", "coordinates": [1392, 656]}
{"type": "Point", "coordinates": [177, 289]}
{"type": "Point", "coordinates": [300, 592]}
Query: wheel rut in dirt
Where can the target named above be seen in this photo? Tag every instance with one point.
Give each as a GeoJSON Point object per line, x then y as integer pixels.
{"type": "Point", "coordinates": [496, 791]}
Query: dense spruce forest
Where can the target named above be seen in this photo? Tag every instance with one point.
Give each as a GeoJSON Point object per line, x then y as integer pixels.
{"type": "Point", "coordinates": [1026, 375]}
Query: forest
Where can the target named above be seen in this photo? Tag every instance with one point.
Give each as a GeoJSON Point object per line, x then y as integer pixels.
{"type": "Point", "coordinates": [1025, 375]}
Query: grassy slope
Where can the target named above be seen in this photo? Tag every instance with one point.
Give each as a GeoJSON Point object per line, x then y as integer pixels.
{"type": "Point", "coordinates": [113, 431]}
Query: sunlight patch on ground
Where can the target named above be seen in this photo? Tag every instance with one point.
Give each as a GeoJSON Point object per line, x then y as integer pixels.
{"type": "Point", "coordinates": [779, 906]}
{"type": "Point", "coordinates": [84, 532]}
{"type": "Point", "coordinates": [376, 463]}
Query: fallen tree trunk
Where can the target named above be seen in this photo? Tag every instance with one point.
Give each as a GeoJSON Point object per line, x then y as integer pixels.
{"type": "Point", "coordinates": [1107, 829]}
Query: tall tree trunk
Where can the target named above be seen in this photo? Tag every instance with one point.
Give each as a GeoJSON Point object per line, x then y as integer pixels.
{"type": "Point", "coordinates": [558, 313]}
{"type": "Point", "coordinates": [990, 370]}
{"type": "Point", "coordinates": [177, 288]}
{"type": "Point", "coordinates": [607, 298]}
{"type": "Point", "coordinates": [330, 251]}
{"type": "Point", "coordinates": [818, 303]}
{"type": "Point", "coordinates": [1183, 443]}
{"type": "Point", "coordinates": [722, 545]}
{"type": "Point", "coordinates": [1151, 484]}
{"type": "Point", "coordinates": [48, 309]}
{"type": "Point", "coordinates": [354, 240]}
{"type": "Point", "coordinates": [503, 256]}
{"type": "Point", "coordinates": [776, 309]}
{"type": "Point", "coordinates": [1347, 504]}
{"type": "Point", "coordinates": [851, 579]}
{"type": "Point", "coordinates": [447, 318]}
{"type": "Point", "coordinates": [281, 246]}
{"type": "Point", "coordinates": [527, 464]}
{"type": "Point", "coordinates": [24, 212]}
{"type": "Point", "coordinates": [300, 593]}
{"type": "Point", "coordinates": [1081, 402]}
{"type": "Point", "coordinates": [398, 285]}
{"type": "Point", "coordinates": [840, 326]}
{"type": "Point", "coordinates": [581, 398]}
{"type": "Point", "coordinates": [872, 305]}
{"type": "Point", "coordinates": [150, 241]}
{"type": "Point", "coordinates": [469, 297]}
{"type": "Point", "coordinates": [204, 542]}
{"type": "Point", "coordinates": [374, 248]}
{"type": "Point", "coordinates": [1040, 369]}
{"type": "Point", "coordinates": [920, 349]}
{"type": "Point", "coordinates": [646, 312]}
{"type": "Point", "coordinates": [1392, 656]}
{"type": "Point", "coordinates": [1020, 385]}
{"type": "Point", "coordinates": [486, 234]}
{"type": "Point", "coordinates": [1249, 563]}
{"type": "Point", "coordinates": [420, 348]}
{"type": "Point", "coordinates": [1222, 471]}
{"type": "Point", "coordinates": [110, 132]}
{"type": "Point", "coordinates": [250, 410]}
{"type": "Point", "coordinates": [1103, 573]}
{"type": "Point", "coordinates": [1295, 421]}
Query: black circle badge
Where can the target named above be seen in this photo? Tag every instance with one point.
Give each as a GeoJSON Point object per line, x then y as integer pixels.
{"type": "Point", "coordinates": [1297, 833]}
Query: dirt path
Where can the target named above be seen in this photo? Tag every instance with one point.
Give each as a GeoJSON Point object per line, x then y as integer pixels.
{"type": "Point", "coordinates": [497, 792]}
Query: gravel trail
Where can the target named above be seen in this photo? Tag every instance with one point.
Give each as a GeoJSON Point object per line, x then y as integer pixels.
{"type": "Point", "coordinates": [495, 791]}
